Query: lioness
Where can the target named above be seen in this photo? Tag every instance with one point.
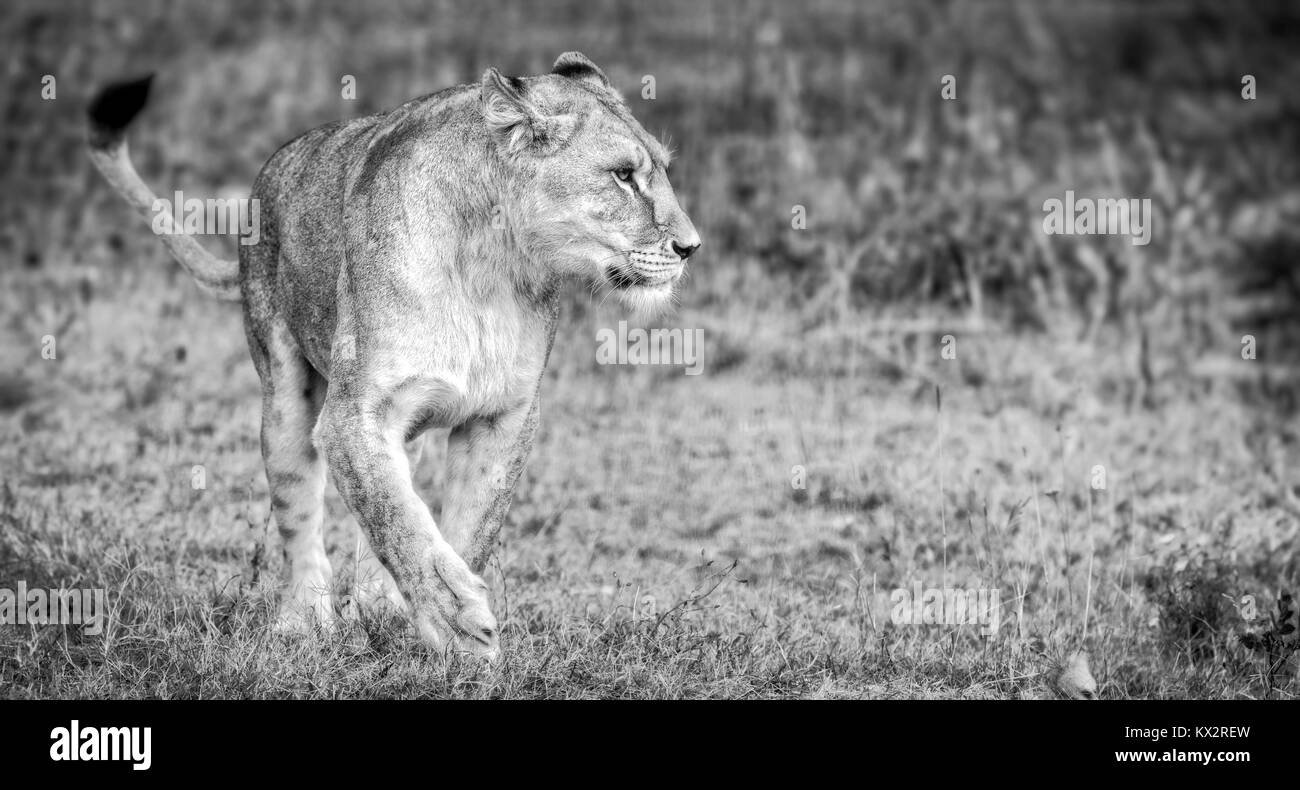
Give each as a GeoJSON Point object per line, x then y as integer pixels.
{"type": "Point", "coordinates": [406, 278]}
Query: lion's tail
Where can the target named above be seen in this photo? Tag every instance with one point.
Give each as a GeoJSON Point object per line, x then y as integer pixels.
{"type": "Point", "coordinates": [110, 113]}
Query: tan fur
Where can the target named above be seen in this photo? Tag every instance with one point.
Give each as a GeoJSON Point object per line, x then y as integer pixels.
{"type": "Point", "coordinates": [407, 278]}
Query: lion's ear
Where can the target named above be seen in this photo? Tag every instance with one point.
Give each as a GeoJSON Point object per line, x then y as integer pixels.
{"type": "Point", "coordinates": [576, 66]}
{"type": "Point", "coordinates": [506, 111]}
{"type": "Point", "coordinates": [517, 121]}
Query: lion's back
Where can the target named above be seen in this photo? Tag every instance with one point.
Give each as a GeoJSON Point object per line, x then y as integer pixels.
{"type": "Point", "coordinates": [302, 190]}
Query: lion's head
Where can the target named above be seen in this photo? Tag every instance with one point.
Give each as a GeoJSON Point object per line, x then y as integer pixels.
{"type": "Point", "coordinates": [591, 187]}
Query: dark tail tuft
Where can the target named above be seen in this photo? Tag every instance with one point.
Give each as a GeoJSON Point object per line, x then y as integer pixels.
{"type": "Point", "coordinates": [113, 109]}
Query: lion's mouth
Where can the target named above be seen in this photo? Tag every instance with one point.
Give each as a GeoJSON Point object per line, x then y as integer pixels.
{"type": "Point", "coordinates": [647, 270]}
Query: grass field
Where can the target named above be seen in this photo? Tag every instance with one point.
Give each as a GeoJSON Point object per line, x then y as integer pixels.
{"type": "Point", "coordinates": [735, 533]}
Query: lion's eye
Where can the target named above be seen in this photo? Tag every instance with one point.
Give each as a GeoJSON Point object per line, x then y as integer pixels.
{"type": "Point", "coordinates": [624, 174]}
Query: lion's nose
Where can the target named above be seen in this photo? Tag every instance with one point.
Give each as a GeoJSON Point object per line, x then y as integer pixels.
{"type": "Point", "coordinates": [685, 250]}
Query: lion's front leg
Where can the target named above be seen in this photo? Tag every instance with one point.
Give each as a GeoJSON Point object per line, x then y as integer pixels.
{"type": "Point", "coordinates": [374, 585]}
{"type": "Point", "coordinates": [448, 602]}
{"type": "Point", "coordinates": [484, 460]}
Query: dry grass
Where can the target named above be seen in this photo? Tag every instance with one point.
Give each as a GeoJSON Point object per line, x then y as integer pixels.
{"type": "Point", "coordinates": [657, 547]}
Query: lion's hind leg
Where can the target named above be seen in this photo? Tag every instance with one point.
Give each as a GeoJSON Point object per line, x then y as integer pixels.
{"type": "Point", "coordinates": [292, 393]}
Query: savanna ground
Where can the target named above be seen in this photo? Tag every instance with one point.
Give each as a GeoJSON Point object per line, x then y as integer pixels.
{"type": "Point", "coordinates": [657, 546]}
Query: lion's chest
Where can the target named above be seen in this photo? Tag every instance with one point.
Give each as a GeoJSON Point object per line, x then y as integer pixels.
{"type": "Point", "coordinates": [463, 370]}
